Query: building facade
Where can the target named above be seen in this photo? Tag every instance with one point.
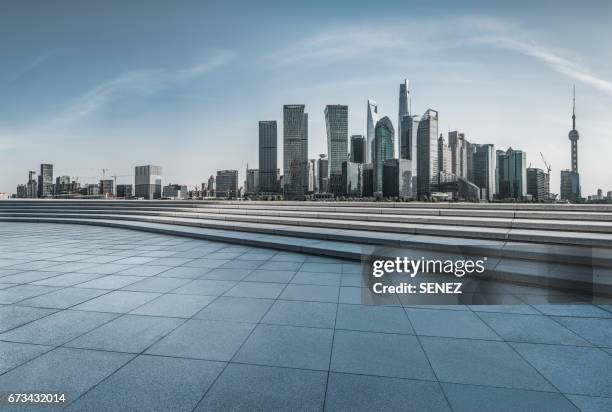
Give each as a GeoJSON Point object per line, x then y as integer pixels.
{"type": "Point", "coordinates": [322, 172]}
{"type": "Point", "coordinates": [358, 148]}
{"type": "Point", "coordinates": [106, 187]}
{"type": "Point", "coordinates": [251, 186]}
{"type": "Point", "coordinates": [397, 178]}
{"type": "Point", "coordinates": [427, 154]}
{"type": "Point", "coordinates": [484, 175]}
{"type": "Point", "coordinates": [372, 119]}
{"type": "Point", "coordinates": [403, 110]}
{"type": "Point", "coordinates": [268, 139]}
{"type": "Point", "coordinates": [570, 185]}
{"type": "Point", "coordinates": [124, 191]}
{"type": "Point", "coordinates": [175, 191]}
{"type": "Point", "coordinates": [512, 174]}
{"type": "Point", "coordinates": [352, 174]}
{"type": "Point", "coordinates": [295, 152]}
{"type": "Point", "coordinates": [382, 149]}
{"type": "Point", "coordinates": [536, 183]}
{"type": "Point", "coordinates": [226, 184]}
{"type": "Point", "coordinates": [45, 180]}
{"type": "Point", "coordinates": [148, 182]}
{"type": "Point", "coordinates": [336, 124]}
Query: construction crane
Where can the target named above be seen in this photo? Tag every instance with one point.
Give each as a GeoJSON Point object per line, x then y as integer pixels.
{"type": "Point", "coordinates": [547, 193]}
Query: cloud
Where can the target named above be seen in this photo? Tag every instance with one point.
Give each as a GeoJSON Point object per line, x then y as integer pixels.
{"type": "Point", "coordinates": [144, 82]}
{"type": "Point", "coordinates": [33, 64]}
{"type": "Point", "coordinates": [395, 42]}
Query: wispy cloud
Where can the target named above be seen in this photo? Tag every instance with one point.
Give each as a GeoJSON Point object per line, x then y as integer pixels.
{"type": "Point", "coordinates": [145, 82]}
{"type": "Point", "coordinates": [396, 42]}
{"type": "Point", "coordinates": [32, 64]}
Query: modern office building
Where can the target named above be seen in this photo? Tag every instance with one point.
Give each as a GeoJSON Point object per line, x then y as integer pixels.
{"type": "Point", "coordinates": [322, 172]}
{"type": "Point", "coordinates": [267, 157]}
{"type": "Point", "coordinates": [444, 155]}
{"type": "Point", "coordinates": [31, 186]}
{"type": "Point", "coordinates": [313, 176]}
{"type": "Point", "coordinates": [536, 182]}
{"type": "Point", "coordinates": [570, 185]}
{"type": "Point", "coordinates": [106, 187]}
{"type": "Point", "coordinates": [458, 188]}
{"type": "Point", "coordinates": [484, 175]}
{"type": "Point", "coordinates": [352, 185]}
{"type": "Point", "coordinates": [372, 120]}
{"type": "Point", "coordinates": [45, 180]}
{"type": "Point", "coordinates": [174, 191]}
{"type": "Point", "coordinates": [382, 149]}
{"type": "Point", "coordinates": [295, 152]}
{"type": "Point", "coordinates": [403, 110]}
{"type": "Point", "coordinates": [22, 191]}
{"type": "Point", "coordinates": [458, 145]}
{"type": "Point", "coordinates": [511, 174]}
{"type": "Point", "coordinates": [336, 124]}
{"type": "Point", "coordinates": [148, 182]}
{"type": "Point", "coordinates": [124, 191]}
{"type": "Point", "coordinates": [251, 186]}
{"type": "Point", "coordinates": [367, 180]}
{"type": "Point", "coordinates": [397, 178]}
{"type": "Point", "coordinates": [93, 190]}
{"type": "Point", "coordinates": [211, 186]}
{"type": "Point", "coordinates": [358, 148]}
{"type": "Point", "coordinates": [226, 184]}
{"type": "Point", "coordinates": [427, 154]}
{"type": "Point", "coordinates": [62, 186]}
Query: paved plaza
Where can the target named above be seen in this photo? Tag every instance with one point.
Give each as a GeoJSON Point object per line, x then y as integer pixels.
{"type": "Point", "coordinates": [129, 320]}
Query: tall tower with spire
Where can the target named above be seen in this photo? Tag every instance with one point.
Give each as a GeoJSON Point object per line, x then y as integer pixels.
{"type": "Point", "coordinates": [574, 136]}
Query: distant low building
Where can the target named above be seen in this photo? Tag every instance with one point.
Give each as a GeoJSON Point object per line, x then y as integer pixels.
{"type": "Point", "coordinates": [125, 191]}
{"type": "Point", "coordinates": [148, 182]}
{"type": "Point", "coordinates": [227, 184]}
{"type": "Point", "coordinates": [536, 183]}
{"type": "Point", "coordinates": [570, 185]}
{"type": "Point", "coordinates": [175, 191]}
{"type": "Point", "coordinates": [107, 187]}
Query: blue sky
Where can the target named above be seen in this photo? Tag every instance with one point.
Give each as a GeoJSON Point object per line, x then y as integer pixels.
{"type": "Point", "coordinates": [93, 85]}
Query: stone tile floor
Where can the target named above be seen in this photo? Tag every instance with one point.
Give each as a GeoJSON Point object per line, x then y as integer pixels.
{"type": "Point", "coordinates": [127, 320]}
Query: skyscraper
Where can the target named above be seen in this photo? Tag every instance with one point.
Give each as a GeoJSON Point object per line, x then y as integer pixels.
{"type": "Point", "coordinates": [403, 110]}
{"type": "Point", "coordinates": [535, 183]}
{"type": "Point", "coordinates": [372, 119]}
{"type": "Point", "coordinates": [427, 154]}
{"type": "Point", "coordinates": [295, 151]}
{"type": "Point", "coordinates": [45, 180]}
{"type": "Point", "coordinates": [251, 186]}
{"type": "Point", "coordinates": [358, 148]}
{"type": "Point", "coordinates": [336, 124]}
{"type": "Point", "coordinates": [322, 172]}
{"type": "Point", "coordinates": [148, 182]}
{"type": "Point", "coordinates": [267, 156]}
{"type": "Point", "coordinates": [458, 145]}
{"type": "Point", "coordinates": [512, 174]}
{"type": "Point", "coordinates": [382, 149]}
{"type": "Point", "coordinates": [485, 164]}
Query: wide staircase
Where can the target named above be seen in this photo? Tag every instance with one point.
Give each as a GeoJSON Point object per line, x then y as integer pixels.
{"type": "Point", "coordinates": [558, 245]}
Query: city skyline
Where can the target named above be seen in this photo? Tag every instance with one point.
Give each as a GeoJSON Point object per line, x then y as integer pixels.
{"type": "Point", "coordinates": [66, 104]}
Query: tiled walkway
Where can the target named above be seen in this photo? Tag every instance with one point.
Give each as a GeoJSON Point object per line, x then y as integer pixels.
{"type": "Point", "coordinates": [122, 320]}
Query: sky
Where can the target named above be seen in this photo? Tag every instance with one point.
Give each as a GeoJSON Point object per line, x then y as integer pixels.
{"type": "Point", "coordinates": [110, 85]}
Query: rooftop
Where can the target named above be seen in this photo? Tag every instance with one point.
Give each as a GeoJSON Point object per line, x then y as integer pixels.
{"type": "Point", "coordinates": [120, 319]}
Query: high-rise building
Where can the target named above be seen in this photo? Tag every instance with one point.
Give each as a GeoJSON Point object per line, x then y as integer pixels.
{"type": "Point", "coordinates": [62, 185]}
{"type": "Point", "coordinates": [536, 183]}
{"type": "Point", "coordinates": [358, 148]}
{"type": "Point", "coordinates": [570, 185]}
{"type": "Point", "coordinates": [322, 172]}
{"type": "Point", "coordinates": [485, 165]}
{"type": "Point", "coordinates": [295, 152]}
{"type": "Point", "coordinates": [211, 186]}
{"type": "Point", "coordinates": [403, 110]}
{"type": "Point", "coordinates": [427, 154]}
{"type": "Point", "coordinates": [458, 145]}
{"type": "Point", "coordinates": [313, 176]}
{"type": "Point", "coordinates": [31, 186]}
{"type": "Point", "coordinates": [148, 182]}
{"type": "Point", "coordinates": [382, 149]}
{"type": "Point", "coordinates": [227, 184]}
{"type": "Point", "coordinates": [106, 187]}
{"type": "Point", "coordinates": [252, 181]}
{"type": "Point", "coordinates": [372, 119]}
{"type": "Point", "coordinates": [397, 178]}
{"type": "Point", "coordinates": [352, 179]}
{"type": "Point", "coordinates": [22, 191]}
{"type": "Point", "coordinates": [367, 180]}
{"type": "Point", "coordinates": [45, 180]}
{"type": "Point", "coordinates": [124, 191]}
{"type": "Point", "coordinates": [336, 124]}
{"type": "Point", "coordinates": [511, 174]}
{"type": "Point", "coordinates": [267, 156]}
{"type": "Point", "coordinates": [444, 156]}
